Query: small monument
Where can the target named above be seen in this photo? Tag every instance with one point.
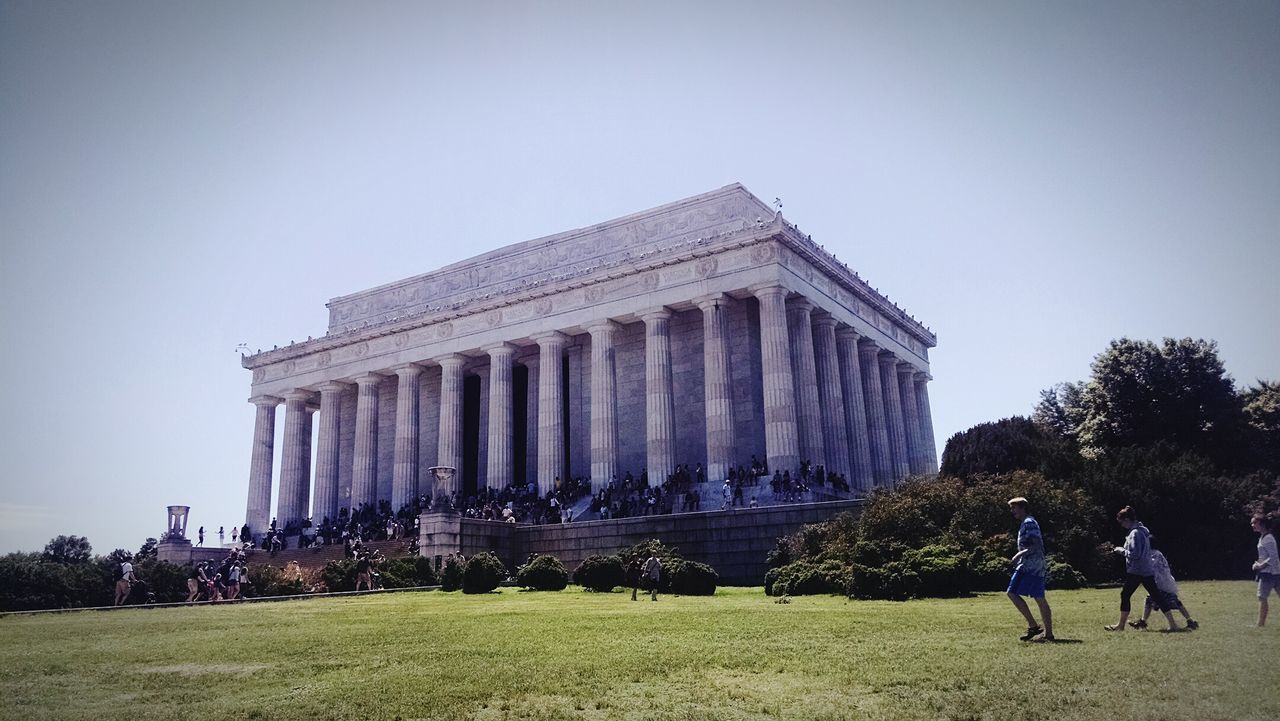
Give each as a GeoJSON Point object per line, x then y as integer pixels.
{"type": "Point", "coordinates": [174, 546]}
{"type": "Point", "coordinates": [441, 502]}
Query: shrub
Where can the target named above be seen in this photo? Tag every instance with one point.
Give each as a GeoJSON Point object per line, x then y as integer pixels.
{"type": "Point", "coordinates": [544, 573]}
{"type": "Point", "coordinates": [271, 581]}
{"type": "Point", "coordinates": [808, 578]}
{"type": "Point", "coordinates": [451, 575]}
{"type": "Point", "coordinates": [600, 573]}
{"type": "Point", "coordinates": [942, 571]}
{"type": "Point", "coordinates": [1063, 577]}
{"type": "Point", "coordinates": [483, 573]}
{"type": "Point", "coordinates": [339, 575]}
{"type": "Point", "coordinates": [408, 572]}
{"type": "Point", "coordinates": [690, 578]}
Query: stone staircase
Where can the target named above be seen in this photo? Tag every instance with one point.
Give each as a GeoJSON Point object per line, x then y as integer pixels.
{"type": "Point", "coordinates": [711, 498]}
{"type": "Point", "coordinates": [318, 556]}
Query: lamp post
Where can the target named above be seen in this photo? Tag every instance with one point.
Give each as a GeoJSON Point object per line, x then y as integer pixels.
{"type": "Point", "coordinates": [441, 500]}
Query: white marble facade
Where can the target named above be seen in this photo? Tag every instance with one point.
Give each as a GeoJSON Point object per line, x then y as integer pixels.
{"type": "Point", "coordinates": [704, 331]}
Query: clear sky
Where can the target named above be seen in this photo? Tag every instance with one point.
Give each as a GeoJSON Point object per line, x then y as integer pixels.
{"type": "Point", "coordinates": [1029, 179]}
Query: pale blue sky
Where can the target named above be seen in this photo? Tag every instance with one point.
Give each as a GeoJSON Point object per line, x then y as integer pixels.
{"type": "Point", "coordinates": [1029, 179]}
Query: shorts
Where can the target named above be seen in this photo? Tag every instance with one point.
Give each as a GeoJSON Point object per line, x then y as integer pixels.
{"type": "Point", "coordinates": [1268, 582]}
{"type": "Point", "coordinates": [122, 586]}
{"type": "Point", "coordinates": [1026, 583]}
{"type": "Point", "coordinates": [192, 585]}
{"type": "Point", "coordinates": [1165, 602]}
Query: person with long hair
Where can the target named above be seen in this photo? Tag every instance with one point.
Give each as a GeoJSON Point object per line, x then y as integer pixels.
{"type": "Point", "coordinates": [1139, 569]}
{"type": "Point", "coordinates": [1268, 564]}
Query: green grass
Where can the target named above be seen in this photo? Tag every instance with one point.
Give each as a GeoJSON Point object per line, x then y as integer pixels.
{"type": "Point", "coordinates": [575, 655]}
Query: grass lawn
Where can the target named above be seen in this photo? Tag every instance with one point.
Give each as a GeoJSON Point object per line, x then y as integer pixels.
{"type": "Point", "coordinates": [576, 655]}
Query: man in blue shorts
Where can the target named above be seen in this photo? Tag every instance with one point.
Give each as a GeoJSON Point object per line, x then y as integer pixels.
{"type": "Point", "coordinates": [1029, 573]}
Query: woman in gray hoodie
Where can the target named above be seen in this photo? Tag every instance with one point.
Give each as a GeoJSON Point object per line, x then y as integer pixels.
{"type": "Point", "coordinates": [1138, 568]}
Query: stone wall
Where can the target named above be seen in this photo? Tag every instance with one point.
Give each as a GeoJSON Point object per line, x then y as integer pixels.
{"type": "Point", "coordinates": [733, 542]}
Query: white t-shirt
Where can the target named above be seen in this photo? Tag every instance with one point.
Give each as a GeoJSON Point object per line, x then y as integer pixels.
{"type": "Point", "coordinates": [1164, 577]}
{"type": "Point", "coordinates": [126, 571]}
{"type": "Point", "coordinates": [1267, 552]}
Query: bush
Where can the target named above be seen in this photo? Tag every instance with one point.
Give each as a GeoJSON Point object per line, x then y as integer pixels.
{"type": "Point", "coordinates": [690, 578]}
{"type": "Point", "coordinates": [544, 573]}
{"type": "Point", "coordinates": [339, 575]}
{"type": "Point", "coordinates": [1063, 577]}
{"type": "Point", "coordinates": [483, 573]}
{"type": "Point", "coordinates": [408, 572]}
{"type": "Point", "coordinates": [271, 581]}
{"type": "Point", "coordinates": [942, 571]}
{"type": "Point", "coordinates": [808, 578]}
{"type": "Point", "coordinates": [600, 573]}
{"type": "Point", "coordinates": [451, 575]}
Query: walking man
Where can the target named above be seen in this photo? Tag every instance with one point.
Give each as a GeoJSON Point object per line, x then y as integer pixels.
{"type": "Point", "coordinates": [652, 574]}
{"type": "Point", "coordinates": [1029, 572]}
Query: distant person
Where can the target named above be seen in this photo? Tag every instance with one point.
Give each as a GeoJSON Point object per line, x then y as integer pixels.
{"type": "Point", "coordinates": [124, 579]}
{"type": "Point", "coordinates": [727, 492]}
{"type": "Point", "coordinates": [635, 570]}
{"type": "Point", "coordinates": [222, 536]}
{"type": "Point", "coordinates": [1029, 572]}
{"type": "Point", "coordinates": [234, 535]}
{"type": "Point", "coordinates": [1168, 589]}
{"type": "Point", "coordinates": [200, 533]}
{"type": "Point", "coordinates": [1139, 570]}
{"type": "Point", "coordinates": [363, 566]}
{"type": "Point", "coordinates": [1268, 564]}
{"type": "Point", "coordinates": [195, 579]}
{"type": "Point", "coordinates": [652, 574]}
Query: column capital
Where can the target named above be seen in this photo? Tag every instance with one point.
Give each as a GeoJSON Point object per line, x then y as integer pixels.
{"type": "Point", "coordinates": [906, 369]}
{"type": "Point", "coordinates": [766, 290]}
{"type": "Point", "coordinates": [844, 332]}
{"type": "Point", "coordinates": [498, 350]}
{"type": "Point", "coordinates": [365, 380]}
{"type": "Point", "coordinates": [265, 401]}
{"type": "Point", "coordinates": [547, 337]}
{"type": "Point", "coordinates": [298, 395]}
{"type": "Point", "coordinates": [823, 319]}
{"type": "Point", "coordinates": [712, 301]}
{"type": "Point", "coordinates": [887, 358]}
{"type": "Point", "coordinates": [922, 377]}
{"type": "Point", "coordinates": [331, 387]}
{"type": "Point", "coordinates": [451, 361]}
{"type": "Point", "coordinates": [659, 313]}
{"type": "Point", "coordinates": [602, 327]}
{"type": "Point", "coordinates": [407, 370]}
{"type": "Point", "coordinates": [800, 303]}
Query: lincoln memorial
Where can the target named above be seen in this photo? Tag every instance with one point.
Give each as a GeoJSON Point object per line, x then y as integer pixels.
{"type": "Point", "coordinates": [705, 331]}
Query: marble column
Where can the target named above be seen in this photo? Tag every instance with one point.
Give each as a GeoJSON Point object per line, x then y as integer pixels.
{"type": "Point", "coordinates": [877, 423]}
{"type": "Point", "coordinates": [911, 417]}
{"type": "Point", "coordinates": [716, 375]}
{"type": "Point", "coordinates": [893, 415]}
{"type": "Point", "coordinates": [550, 410]}
{"type": "Point", "coordinates": [404, 468]}
{"type": "Point", "coordinates": [782, 445]}
{"type": "Point", "coordinates": [258, 509]}
{"type": "Point", "coordinates": [295, 461]}
{"type": "Point", "coordinates": [364, 465]}
{"type": "Point", "coordinates": [808, 409]}
{"type": "Point", "coordinates": [660, 410]}
{"type": "Point", "coordinates": [835, 428]}
{"type": "Point", "coordinates": [451, 406]}
{"type": "Point", "coordinates": [604, 405]}
{"type": "Point", "coordinates": [862, 475]}
{"type": "Point", "coordinates": [325, 502]}
{"type": "Point", "coordinates": [926, 423]}
{"type": "Point", "coordinates": [500, 464]}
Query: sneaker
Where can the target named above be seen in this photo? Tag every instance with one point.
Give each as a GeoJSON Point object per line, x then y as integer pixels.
{"type": "Point", "coordinates": [1138, 624]}
{"type": "Point", "coordinates": [1031, 633]}
{"type": "Point", "coordinates": [1192, 625]}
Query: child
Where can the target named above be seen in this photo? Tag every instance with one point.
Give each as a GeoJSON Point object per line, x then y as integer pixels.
{"type": "Point", "coordinates": [1268, 564]}
{"type": "Point", "coordinates": [1168, 591]}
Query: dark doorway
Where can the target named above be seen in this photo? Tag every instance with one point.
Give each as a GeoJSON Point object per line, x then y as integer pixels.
{"type": "Point", "coordinates": [564, 416]}
{"type": "Point", "coordinates": [470, 435]}
{"type": "Point", "coordinates": [520, 422]}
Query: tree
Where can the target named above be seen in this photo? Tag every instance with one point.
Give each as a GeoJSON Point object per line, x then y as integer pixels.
{"type": "Point", "coordinates": [1011, 444]}
{"type": "Point", "coordinates": [1178, 392]}
{"type": "Point", "coordinates": [118, 556]}
{"type": "Point", "coordinates": [148, 550]}
{"type": "Point", "coordinates": [1061, 410]}
{"type": "Point", "coordinates": [68, 549]}
{"type": "Point", "coordinates": [1261, 405]}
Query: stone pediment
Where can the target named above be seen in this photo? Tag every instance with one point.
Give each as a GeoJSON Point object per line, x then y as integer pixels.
{"type": "Point", "coordinates": [531, 263]}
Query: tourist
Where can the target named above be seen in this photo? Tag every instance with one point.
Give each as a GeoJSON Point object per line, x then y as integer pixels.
{"type": "Point", "coordinates": [222, 536]}
{"type": "Point", "coordinates": [234, 536]}
{"type": "Point", "coordinates": [652, 574]}
{"type": "Point", "coordinates": [1029, 573]}
{"type": "Point", "coordinates": [195, 579]}
{"type": "Point", "coordinates": [201, 535]}
{"type": "Point", "coordinates": [1168, 591]}
{"type": "Point", "coordinates": [124, 579]}
{"type": "Point", "coordinates": [1139, 569]}
{"type": "Point", "coordinates": [727, 491]}
{"type": "Point", "coordinates": [1268, 564]}
{"type": "Point", "coordinates": [635, 570]}
{"type": "Point", "coordinates": [363, 567]}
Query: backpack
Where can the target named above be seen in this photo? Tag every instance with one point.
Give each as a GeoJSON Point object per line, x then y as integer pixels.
{"type": "Point", "coordinates": [119, 572]}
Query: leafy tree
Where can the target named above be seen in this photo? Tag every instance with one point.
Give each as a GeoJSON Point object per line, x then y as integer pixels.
{"type": "Point", "coordinates": [1262, 421]}
{"type": "Point", "coordinates": [148, 550]}
{"type": "Point", "coordinates": [1061, 410]}
{"type": "Point", "coordinates": [118, 556]}
{"type": "Point", "coordinates": [1177, 392]}
{"type": "Point", "coordinates": [68, 549]}
{"type": "Point", "coordinates": [1011, 444]}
